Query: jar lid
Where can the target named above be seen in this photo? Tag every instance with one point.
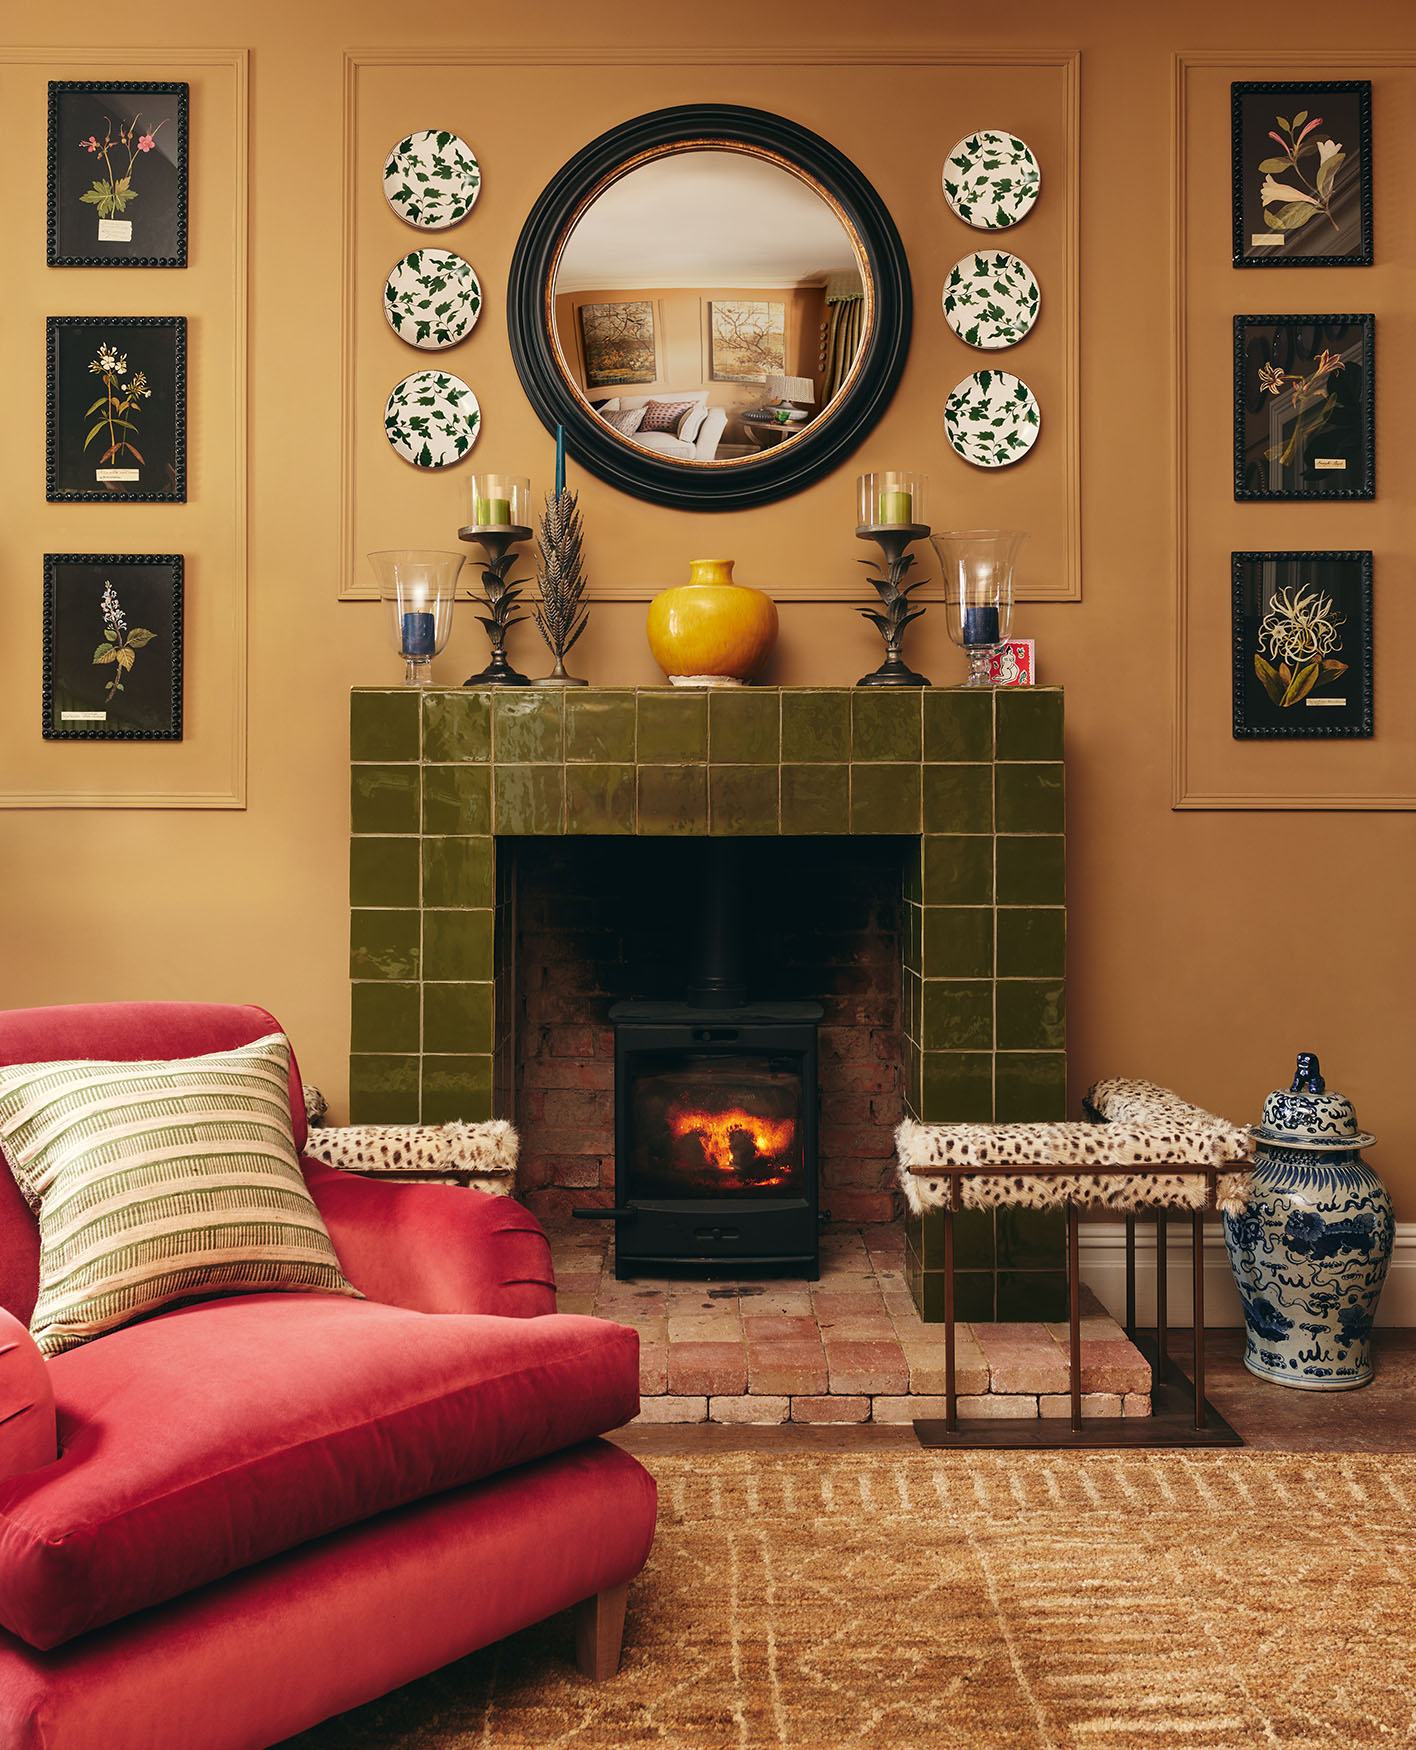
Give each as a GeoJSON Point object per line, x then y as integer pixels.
{"type": "Point", "coordinates": [1308, 1116]}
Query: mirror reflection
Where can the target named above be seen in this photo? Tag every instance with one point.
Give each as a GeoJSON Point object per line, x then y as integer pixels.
{"type": "Point", "coordinates": [709, 305]}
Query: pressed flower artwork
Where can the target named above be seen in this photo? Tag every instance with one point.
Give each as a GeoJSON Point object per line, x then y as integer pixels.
{"type": "Point", "coordinates": [112, 647]}
{"type": "Point", "coordinates": [117, 174]}
{"type": "Point", "coordinates": [117, 421]}
{"type": "Point", "coordinates": [1302, 173]}
{"type": "Point", "coordinates": [1302, 644]}
{"type": "Point", "coordinates": [1303, 425]}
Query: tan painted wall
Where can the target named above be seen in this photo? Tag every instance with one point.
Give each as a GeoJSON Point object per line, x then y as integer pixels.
{"type": "Point", "coordinates": [1206, 946]}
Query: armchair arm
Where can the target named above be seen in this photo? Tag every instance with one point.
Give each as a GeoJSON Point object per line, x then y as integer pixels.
{"type": "Point", "coordinates": [28, 1437]}
{"type": "Point", "coordinates": [435, 1248]}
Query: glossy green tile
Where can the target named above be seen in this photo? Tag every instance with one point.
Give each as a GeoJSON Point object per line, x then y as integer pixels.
{"type": "Point", "coordinates": [527, 727]}
{"type": "Point", "coordinates": [599, 726]}
{"type": "Point", "coordinates": [383, 944]}
{"type": "Point", "coordinates": [743, 799]}
{"type": "Point", "coordinates": [458, 871]}
{"type": "Point", "coordinates": [383, 726]}
{"type": "Point", "coordinates": [457, 945]}
{"type": "Point", "coordinates": [958, 870]}
{"type": "Point", "coordinates": [912, 937]}
{"type": "Point", "coordinates": [672, 799]}
{"type": "Point", "coordinates": [912, 873]}
{"type": "Point", "coordinates": [743, 726]}
{"type": "Point", "coordinates": [1029, 798]}
{"type": "Point", "coordinates": [914, 1079]}
{"type": "Point", "coordinates": [958, 941]}
{"type": "Point", "coordinates": [1032, 1239]}
{"type": "Point", "coordinates": [600, 799]}
{"type": "Point", "coordinates": [1032, 1296]}
{"type": "Point", "coordinates": [383, 1017]}
{"type": "Point", "coordinates": [958, 798]}
{"type": "Point", "coordinates": [885, 723]}
{"type": "Point", "coordinates": [957, 1015]}
{"type": "Point", "coordinates": [457, 1089]}
{"type": "Point", "coordinates": [528, 799]}
{"type": "Point", "coordinates": [957, 1087]}
{"type": "Point", "coordinates": [1032, 942]}
{"type": "Point", "coordinates": [383, 799]}
{"type": "Point", "coordinates": [912, 1000]}
{"type": "Point", "coordinates": [885, 798]}
{"type": "Point", "coordinates": [1029, 723]}
{"type": "Point", "coordinates": [973, 1296]}
{"type": "Point", "coordinates": [672, 726]}
{"type": "Point", "coordinates": [1031, 1014]}
{"type": "Point", "coordinates": [1031, 1086]}
{"type": "Point", "coordinates": [815, 725]}
{"type": "Point", "coordinates": [1032, 871]}
{"type": "Point", "coordinates": [973, 1239]}
{"type": "Point", "coordinates": [816, 799]}
{"type": "Point", "coordinates": [383, 871]}
{"type": "Point", "coordinates": [458, 725]}
{"type": "Point", "coordinates": [958, 723]}
{"type": "Point", "coordinates": [383, 1089]}
{"type": "Point", "coordinates": [458, 1017]}
{"type": "Point", "coordinates": [457, 799]}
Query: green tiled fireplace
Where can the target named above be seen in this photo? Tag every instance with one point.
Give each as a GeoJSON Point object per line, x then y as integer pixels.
{"type": "Point", "coordinates": [971, 781]}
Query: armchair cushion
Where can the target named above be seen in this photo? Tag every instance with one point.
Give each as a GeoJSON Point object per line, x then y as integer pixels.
{"type": "Point", "coordinates": [203, 1441]}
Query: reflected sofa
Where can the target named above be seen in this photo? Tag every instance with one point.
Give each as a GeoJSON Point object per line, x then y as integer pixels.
{"type": "Point", "coordinates": [700, 441]}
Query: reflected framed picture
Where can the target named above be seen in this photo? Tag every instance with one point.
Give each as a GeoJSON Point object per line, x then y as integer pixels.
{"type": "Point", "coordinates": [112, 647]}
{"type": "Point", "coordinates": [117, 174]}
{"type": "Point", "coordinates": [1302, 644]}
{"type": "Point", "coordinates": [116, 418]}
{"type": "Point", "coordinates": [1302, 172]}
{"type": "Point", "coordinates": [747, 339]}
{"type": "Point", "coordinates": [1304, 424]}
{"type": "Point", "coordinates": [617, 343]}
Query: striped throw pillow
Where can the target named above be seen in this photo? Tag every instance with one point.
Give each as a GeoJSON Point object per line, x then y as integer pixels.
{"type": "Point", "coordinates": [156, 1183]}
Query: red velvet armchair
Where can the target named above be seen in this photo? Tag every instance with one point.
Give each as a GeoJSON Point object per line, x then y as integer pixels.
{"type": "Point", "coordinates": [221, 1525]}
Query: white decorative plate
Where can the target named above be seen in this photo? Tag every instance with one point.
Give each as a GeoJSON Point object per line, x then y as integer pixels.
{"type": "Point", "coordinates": [992, 419]}
{"type": "Point", "coordinates": [991, 180]}
{"type": "Point", "coordinates": [432, 179]}
{"type": "Point", "coordinates": [432, 419]}
{"type": "Point", "coordinates": [432, 298]}
{"type": "Point", "coordinates": [991, 299]}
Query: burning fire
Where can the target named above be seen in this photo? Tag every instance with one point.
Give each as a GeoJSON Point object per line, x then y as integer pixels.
{"type": "Point", "coordinates": [724, 1134]}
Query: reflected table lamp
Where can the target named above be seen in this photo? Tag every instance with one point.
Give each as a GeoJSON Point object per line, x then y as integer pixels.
{"type": "Point", "coordinates": [783, 392]}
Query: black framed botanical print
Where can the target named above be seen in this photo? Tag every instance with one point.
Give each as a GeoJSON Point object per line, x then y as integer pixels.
{"type": "Point", "coordinates": [117, 174]}
{"type": "Point", "coordinates": [1302, 643]}
{"type": "Point", "coordinates": [117, 409]}
{"type": "Point", "coordinates": [112, 647]}
{"type": "Point", "coordinates": [1304, 423]}
{"type": "Point", "coordinates": [1302, 173]}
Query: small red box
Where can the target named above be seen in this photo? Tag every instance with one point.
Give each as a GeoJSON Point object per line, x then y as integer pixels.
{"type": "Point", "coordinates": [1011, 665]}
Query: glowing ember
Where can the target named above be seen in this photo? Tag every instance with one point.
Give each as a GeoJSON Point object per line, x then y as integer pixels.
{"type": "Point", "coordinates": [734, 1139]}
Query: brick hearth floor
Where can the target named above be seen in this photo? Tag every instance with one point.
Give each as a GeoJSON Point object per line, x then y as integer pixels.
{"type": "Point", "coordinates": [849, 1348]}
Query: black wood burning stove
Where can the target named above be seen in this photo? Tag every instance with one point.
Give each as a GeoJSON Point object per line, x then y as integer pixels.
{"type": "Point", "coordinates": [716, 1113]}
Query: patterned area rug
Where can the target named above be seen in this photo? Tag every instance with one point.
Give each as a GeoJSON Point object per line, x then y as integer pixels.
{"type": "Point", "coordinates": [913, 1599]}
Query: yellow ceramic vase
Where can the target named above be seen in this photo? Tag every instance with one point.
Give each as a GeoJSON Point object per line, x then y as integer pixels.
{"type": "Point", "coordinates": [710, 631]}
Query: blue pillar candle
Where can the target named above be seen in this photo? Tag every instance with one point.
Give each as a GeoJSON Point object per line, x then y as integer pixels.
{"type": "Point", "coordinates": [981, 625]}
{"type": "Point", "coordinates": [418, 635]}
{"type": "Point", "coordinates": [560, 460]}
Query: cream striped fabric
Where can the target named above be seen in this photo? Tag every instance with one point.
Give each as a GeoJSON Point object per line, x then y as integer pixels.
{"type": "Point", "coordinates": [161, 1182]}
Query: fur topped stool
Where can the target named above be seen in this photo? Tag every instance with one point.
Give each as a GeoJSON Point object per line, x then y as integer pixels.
{"type": "Point", "coordinates": [482, 1156]}
{"type": "Point", "coordinates": [1140, 1148]}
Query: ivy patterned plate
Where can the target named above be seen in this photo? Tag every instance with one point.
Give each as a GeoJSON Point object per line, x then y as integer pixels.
{"type": "Point", "coordinates": [432, 298]}
{"type": "Point", "coordinates": [992, 419]}
{"type": "Point", "coordinates": [991, 299]}
{"type": "Point", "coordinates": [991, 180]}
{"type": "Point", "coordinates": [432, 419]}
{"type": "Point", "coordinates": [432, 179]}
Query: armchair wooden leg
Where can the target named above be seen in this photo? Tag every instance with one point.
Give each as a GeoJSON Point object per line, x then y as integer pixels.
{"type": "Point", "coordinates": [599, 1630]}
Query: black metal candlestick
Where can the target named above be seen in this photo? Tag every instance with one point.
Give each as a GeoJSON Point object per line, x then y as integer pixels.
{"type": "Point", "coordinates": [501, 594]}
{"type": "Point", "coordinates": [895, 612]}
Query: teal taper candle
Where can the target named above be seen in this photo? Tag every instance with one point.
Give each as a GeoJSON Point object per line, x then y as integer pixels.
{"type": "Point", "coordinates": [560, 460]}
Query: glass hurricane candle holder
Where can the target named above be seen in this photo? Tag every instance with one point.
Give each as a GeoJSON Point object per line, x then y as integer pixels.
{"type": "Point", "coordinates": [500, 501]}
{"type": "Point", "coordinates": [419, 584]}
{"type": "Point", "coordinates": [976, 567]}
{"type": "Point", "coordinates": [893, 499]}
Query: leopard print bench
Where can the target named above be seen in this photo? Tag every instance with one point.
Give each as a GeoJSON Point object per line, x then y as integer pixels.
{"type": "Point", "coordinates": [482, 1156]}
{"type": "Point", "coordinates": [1120, 1158]}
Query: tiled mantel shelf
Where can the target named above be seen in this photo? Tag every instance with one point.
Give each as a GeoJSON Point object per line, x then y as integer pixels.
{"type": "Point", "coordinates": [440, 778]}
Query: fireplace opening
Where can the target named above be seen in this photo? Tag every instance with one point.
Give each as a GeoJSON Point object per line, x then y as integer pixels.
{"type": "Point", "coordinates": [714, 1127]}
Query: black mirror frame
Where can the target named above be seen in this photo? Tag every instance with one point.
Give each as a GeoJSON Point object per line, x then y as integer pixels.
{"type": "Point", "coordinates": [744, 484]}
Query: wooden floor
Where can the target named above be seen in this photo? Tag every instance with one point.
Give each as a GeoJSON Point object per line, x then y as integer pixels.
{"type": "Point", "coordinates": [1380, 1417]}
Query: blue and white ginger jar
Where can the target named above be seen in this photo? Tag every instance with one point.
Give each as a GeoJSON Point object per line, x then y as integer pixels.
{"type": "Point", "coordinates": [1310, 1251]}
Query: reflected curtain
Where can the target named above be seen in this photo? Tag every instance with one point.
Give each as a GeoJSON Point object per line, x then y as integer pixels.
{"type": "Point", "coordinates": [841, 332]}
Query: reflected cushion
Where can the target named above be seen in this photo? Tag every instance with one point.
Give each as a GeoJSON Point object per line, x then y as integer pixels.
{"type": "Point", "coordinates": [666, 415]}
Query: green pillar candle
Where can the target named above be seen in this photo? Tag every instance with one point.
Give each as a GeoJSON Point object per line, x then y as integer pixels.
{"type": "Point", "coordinates": [896, 506]}
{"type": "Point", "coordinates": [492, 513]}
